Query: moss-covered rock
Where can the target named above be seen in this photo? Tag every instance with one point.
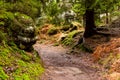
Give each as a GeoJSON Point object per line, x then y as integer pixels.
{"type": "Point", "coordinates": [19, 28]}
{"type": "Point", "coordinates": [72, 26]}
{"type": "Point", "coordinates": [52, 31]}
{"type": "Point", "coordinates": [23, 31]}
{"type": "Point", "coordinates": [69, 39]}
{"type": "Point", "coordinates": [65, 28]}
{"type": "Point", "coordinates": [75, 26]}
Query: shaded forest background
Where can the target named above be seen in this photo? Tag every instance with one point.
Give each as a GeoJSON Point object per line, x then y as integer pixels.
{"type": "Point", "coordinates": [23, 22]}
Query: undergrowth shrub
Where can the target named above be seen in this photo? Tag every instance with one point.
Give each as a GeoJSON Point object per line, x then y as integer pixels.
{"type": "Point", "coordinates": [52, 31]}
{"type": "Point", "coordinates": [69, 39]}
{"type": "Point", "coordinates": [31, 8]}
{"type": "Point", "coordinates": [3, 36]}
{"type": "Point", "coordinates": [16, 64]}
{"type": "Point", "coordinates": [108, 56]}
{"type": "Point", "coordinates": [65, 28]}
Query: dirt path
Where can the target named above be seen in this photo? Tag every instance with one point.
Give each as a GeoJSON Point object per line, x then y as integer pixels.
{"type": "Point", "coordinates": [62, 66]}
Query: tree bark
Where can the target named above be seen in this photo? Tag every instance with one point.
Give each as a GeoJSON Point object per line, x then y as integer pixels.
{"type": "Point", "coordinates": [43, 3]}
{"type": "Point", "coordinates": [89, 23]}
{"type": "Point", "coordinates": [107, 19]}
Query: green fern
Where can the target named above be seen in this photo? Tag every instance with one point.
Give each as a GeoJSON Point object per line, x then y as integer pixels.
{"type": "Point", "coordinates": [69, 39]}
{"type": "Point", "coordinates": [2, 36]}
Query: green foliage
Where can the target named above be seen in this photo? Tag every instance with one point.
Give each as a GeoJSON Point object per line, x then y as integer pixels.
{"type": "Point", "coordinates": [29, 7]}
{"type": "Point", "coordinates": [20, 64]}
{"type": "Point", "coordinates": [79, 9]}
{"type": "Point", "coordinates": [99, 6]}
{"type": "Point", "coordinates": [116, 13]}
{"type": "Point", "coordinates": [6, 15]}
{"type": "Point", "coordinates": [22, 20]}
{"type": "Point", "coordinates": [3, 75]}
{"type": "Point", "coordinates": [69, 39]}
{"type": "Point", "coordinates": [52, 31]}
{"type": "Point", "coordinates": [52, 9]}
{"type": "Point", "coordinates": [16, 64]}
{"type": "Point", "coordinates": [26, 8]}
{"type": "Point", "coordinates": [1, 4]}
{"type": "Point", "coordinates": [2, 36]}
{"type": "Point", "coordinates": [29, 71]}
{"type": "Point", "coordinates": [2, 23]}
{"type": "Point", "coordinates": [5, 18]}
{"type": "Point", "coordinates": [56, 44]}
{"type": "Point", "coordinates": [65, 28]}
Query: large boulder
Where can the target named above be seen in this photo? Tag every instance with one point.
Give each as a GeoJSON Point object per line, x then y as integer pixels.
{"type": "Point", "coordinates": [23, 31]}
{"type": "Point", "coordinates": [67, 16]}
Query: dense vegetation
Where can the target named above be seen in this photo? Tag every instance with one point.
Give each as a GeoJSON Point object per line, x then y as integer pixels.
{"type": "Point", "coordinates": [17, 64]}
{"type": "Point", "coordinates": [20, 20]}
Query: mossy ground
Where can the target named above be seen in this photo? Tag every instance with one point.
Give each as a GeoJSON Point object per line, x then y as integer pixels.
{"type": "Point", "coordinates": [69, 39]}
{"type": "Point", "coordinates": [16, 64]}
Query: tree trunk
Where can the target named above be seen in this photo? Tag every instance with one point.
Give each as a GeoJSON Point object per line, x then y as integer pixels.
{"type": "Point", "coordinates": [89, 23]}
{"type": "Point", "coordinates": [43, 3]}
{"type": "Point", "coordinates": [107, 19]}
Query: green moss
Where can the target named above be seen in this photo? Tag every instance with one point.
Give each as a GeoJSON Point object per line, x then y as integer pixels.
{"type": "Point", "coordinates": [2, 23]}
{"type": "Point", "coordinates": [23, 77]}
{"type": "Point", "coordinates": [27, 71]}
{"type": "Point", "coordinates": [52, 31]}
{"type": "Point", "coordinates": [65, 28]}
{"type": "Point", "coordinates": [69, 39]}
{"type": "Point", "coordinates": [3, 76]}
{"type": "Point", "coordinates": [16, 64]}
{"type": "Point", "coordinates": [56, 44]}
{"type": "Point", "coordinates": [2, 36]}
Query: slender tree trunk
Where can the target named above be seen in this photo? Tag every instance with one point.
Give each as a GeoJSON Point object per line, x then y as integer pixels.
{"type": "Point", "coordinates": [110, 18]}
{"type": "Point", "coordinates": [43, 3]}
{"type": "Point", "coordinates": [89, 23]}
{"type": "Point", "coordinates": [107, 18]}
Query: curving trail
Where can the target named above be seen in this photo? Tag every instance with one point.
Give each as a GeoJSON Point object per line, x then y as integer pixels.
{"type": "Point", "coordinates": [62, 66]}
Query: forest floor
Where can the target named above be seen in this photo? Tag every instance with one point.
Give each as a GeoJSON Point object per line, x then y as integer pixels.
{"type": "Point", "coordinates": [65, 63]}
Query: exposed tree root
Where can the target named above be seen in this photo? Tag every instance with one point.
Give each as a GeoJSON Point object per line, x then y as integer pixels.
{"type": "Point", "coordinates": [99, 31]}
